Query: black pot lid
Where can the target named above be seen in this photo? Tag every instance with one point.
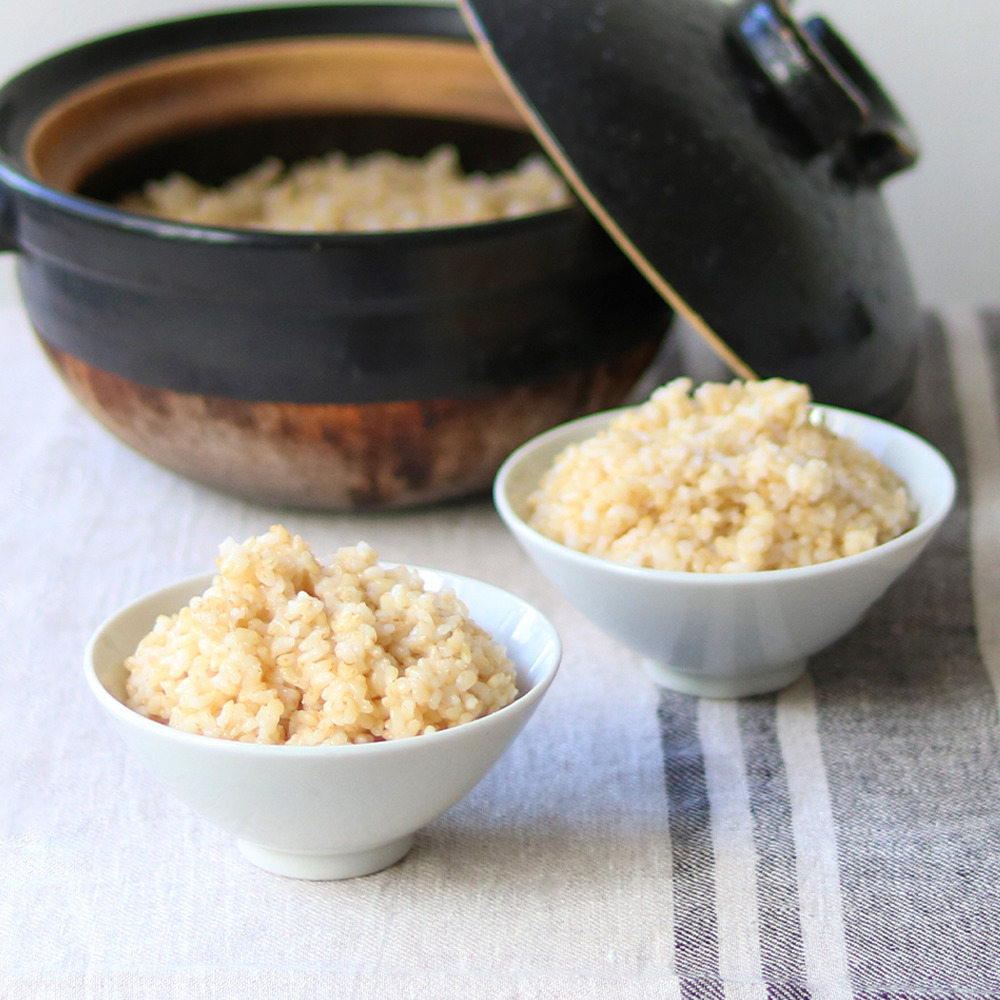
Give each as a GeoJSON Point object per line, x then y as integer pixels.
{"type": "Point", "coordinates": [736, 156]}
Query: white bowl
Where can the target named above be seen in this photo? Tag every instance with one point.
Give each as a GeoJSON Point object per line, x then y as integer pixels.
{"type": "Point", "coordinates": [730, 635]}
{"type": "Point", "coordinates": [326, 812]}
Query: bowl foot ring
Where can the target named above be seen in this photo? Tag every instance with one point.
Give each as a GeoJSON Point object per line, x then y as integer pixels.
{"type": "Point", "coordinates": [319, 867]}
{"type": "Point", "coordinates": [701, 685]}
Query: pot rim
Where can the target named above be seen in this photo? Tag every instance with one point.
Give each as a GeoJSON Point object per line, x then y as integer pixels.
{"type": "Point", "coordinates": [104, 213]}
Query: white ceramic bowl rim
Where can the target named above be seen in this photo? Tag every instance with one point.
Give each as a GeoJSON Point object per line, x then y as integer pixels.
{"type": "Point", "coordinates": [928, 520]}
{"type": "Point", "coordinates": [200, 582]}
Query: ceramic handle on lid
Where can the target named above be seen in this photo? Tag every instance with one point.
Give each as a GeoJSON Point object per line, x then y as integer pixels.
{"type": "Point", "coordinates": [826, 88]}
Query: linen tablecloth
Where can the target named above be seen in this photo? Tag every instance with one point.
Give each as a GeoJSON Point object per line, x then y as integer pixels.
{"type": "Point", "coordinates": [838, 840]}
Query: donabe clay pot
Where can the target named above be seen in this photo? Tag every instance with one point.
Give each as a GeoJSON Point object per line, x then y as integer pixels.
{"type": "Point", "coordinates": [336, 370]}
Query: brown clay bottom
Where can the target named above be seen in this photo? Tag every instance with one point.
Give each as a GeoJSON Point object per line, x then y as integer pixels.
{"type": "Point", "coordinates": [342, 456]}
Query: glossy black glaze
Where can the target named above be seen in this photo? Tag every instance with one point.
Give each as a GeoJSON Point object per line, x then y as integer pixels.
{"type": "Point", "coordinates": [305, 318]}
{"type": "Point", "coordinates": [762, 233]}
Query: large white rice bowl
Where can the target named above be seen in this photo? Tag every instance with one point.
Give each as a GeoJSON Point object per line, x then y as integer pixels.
{"type": "Point", "coordinates": [330, 811]}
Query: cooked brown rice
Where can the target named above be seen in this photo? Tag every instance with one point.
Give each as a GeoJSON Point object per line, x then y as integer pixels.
{"type": "Point", "coordinates": [284, 649]}
{"type": "Point", "coordinates": [379, 192]}
{"type": "Point", "coordinates": [730, 478]}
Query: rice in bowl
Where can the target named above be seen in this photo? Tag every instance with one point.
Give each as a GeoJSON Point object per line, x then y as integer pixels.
{"type": "Point", "coordinates": [726, 478]}
{"type": "Point", "coordinates": [380, 192]}
{"type": "Point", "coordinates": [283, 648]}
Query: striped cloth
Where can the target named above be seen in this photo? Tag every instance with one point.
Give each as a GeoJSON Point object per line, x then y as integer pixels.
{"type": "Point", "coordinates": [847, 830]}
{"type": "Point", "coordinates": [837, 841]}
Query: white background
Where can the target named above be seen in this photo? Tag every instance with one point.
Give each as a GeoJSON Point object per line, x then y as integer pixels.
{"type": "Point", "coordinates": [939, 61]}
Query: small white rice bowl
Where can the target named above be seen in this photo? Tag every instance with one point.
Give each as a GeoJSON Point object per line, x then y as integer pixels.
{"type": "Point", "coordinates": [331, 810]}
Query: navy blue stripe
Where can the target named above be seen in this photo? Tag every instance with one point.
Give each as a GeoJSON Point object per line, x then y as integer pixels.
{"type": "Point", "coordinates": [788, 991]}
{"type": "Point", "coordinates": [695, 925]}
{"type": "Point", "coordinates": [782, 952]}
{"type": "Point", "coordinates": [702, 989]}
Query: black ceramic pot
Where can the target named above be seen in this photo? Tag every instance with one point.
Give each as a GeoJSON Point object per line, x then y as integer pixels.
{"type": "Point", "coordinates": [325, 371]}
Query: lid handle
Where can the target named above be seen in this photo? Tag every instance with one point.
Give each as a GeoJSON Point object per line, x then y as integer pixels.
{"type": "Point", "coordinates": [827, 89]}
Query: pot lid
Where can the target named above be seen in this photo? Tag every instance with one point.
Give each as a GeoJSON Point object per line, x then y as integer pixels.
{"type": "Point", "coordinates": [736, 157]}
